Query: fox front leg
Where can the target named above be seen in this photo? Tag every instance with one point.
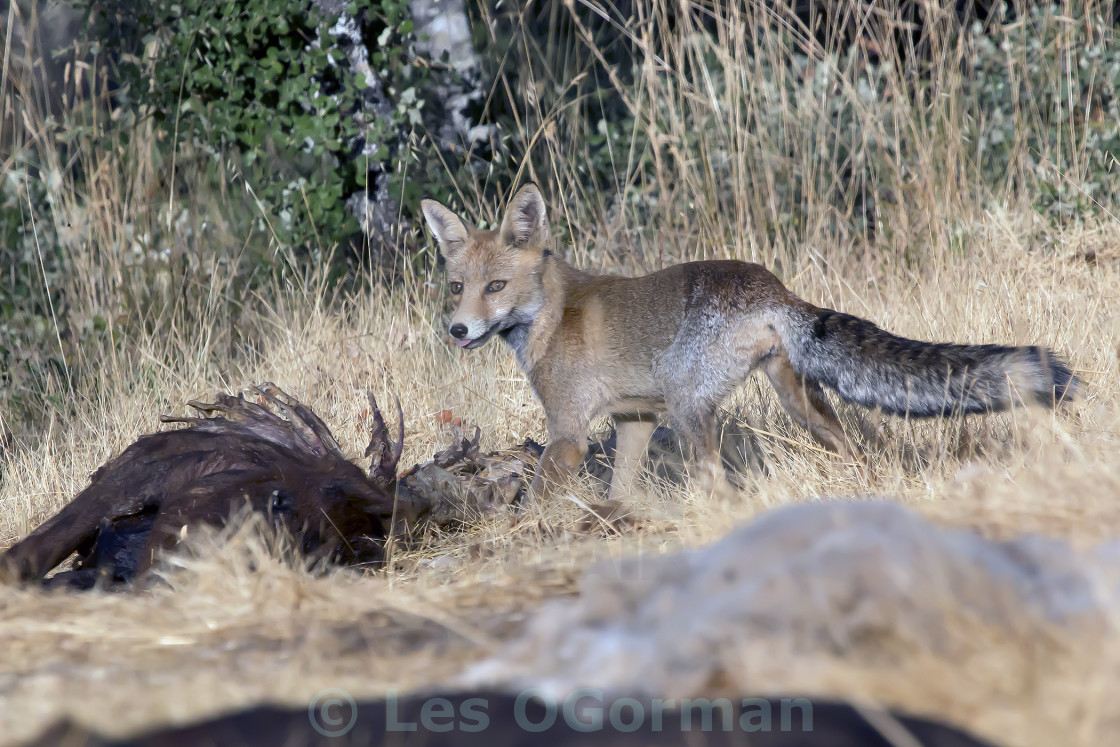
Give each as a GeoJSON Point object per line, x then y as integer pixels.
{"type": "Point", "coordinates": [558, 463]}
{"type": "Point", "coordinates": [632, 434]}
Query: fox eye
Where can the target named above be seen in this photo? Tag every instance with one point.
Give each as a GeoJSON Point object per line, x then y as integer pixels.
{"type": "Point", "coordinates": [495, 286]}
{"type": "Point", "coordinates": [456, 288]}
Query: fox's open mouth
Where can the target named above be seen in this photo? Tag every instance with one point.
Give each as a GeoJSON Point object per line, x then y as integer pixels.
{"type": "Point", "coordinates": [472, 343]}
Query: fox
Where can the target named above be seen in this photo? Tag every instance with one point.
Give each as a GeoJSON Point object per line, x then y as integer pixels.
{"type": "Point", "coordinates": [679, 340]}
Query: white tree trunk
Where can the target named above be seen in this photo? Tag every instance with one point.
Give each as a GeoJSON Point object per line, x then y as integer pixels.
{"type": "Point", "coordinates": [447, 28]}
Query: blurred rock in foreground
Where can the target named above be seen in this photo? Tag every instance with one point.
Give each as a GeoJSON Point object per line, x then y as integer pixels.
{"type": "Point", "coordinates": [865, 581]}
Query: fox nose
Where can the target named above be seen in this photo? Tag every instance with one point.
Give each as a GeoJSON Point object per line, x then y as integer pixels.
{"type": "Point", "coordinates": [458, 331]}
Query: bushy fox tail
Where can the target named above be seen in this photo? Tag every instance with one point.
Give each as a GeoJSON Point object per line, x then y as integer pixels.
{"type": "Point", "coordinates": [874, 368]}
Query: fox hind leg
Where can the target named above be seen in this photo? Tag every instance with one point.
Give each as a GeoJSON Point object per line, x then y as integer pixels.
{"type": "Point", "coordinates": [696, 423]}
{"type": "Point", "coordinates": [804, 400]}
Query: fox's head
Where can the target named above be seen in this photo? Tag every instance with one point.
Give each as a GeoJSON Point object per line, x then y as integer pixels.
{"type": "Point", "coordinates": [494, 276]}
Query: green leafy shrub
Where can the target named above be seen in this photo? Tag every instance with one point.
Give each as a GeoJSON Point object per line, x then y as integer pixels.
{"type": "Point", "coordinates": [1044, 107]}
{"type": "Point", "coordinates": [30, 285]}
{"type": "Point", "coordinates": [266, 82]}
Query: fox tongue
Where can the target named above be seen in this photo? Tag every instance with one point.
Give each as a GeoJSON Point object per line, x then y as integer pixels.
{"type": "Point", "coordinates": [463, 343]}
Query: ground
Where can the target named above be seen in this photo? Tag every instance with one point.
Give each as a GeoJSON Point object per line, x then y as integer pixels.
{"type": "Point", "coordinates": [235, 624]}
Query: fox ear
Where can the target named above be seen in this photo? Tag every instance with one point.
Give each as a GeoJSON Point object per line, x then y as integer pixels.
{"type": "Point", "coordinates": [525, 222]}
{"type": "Point", "coordinates": [450, 232]}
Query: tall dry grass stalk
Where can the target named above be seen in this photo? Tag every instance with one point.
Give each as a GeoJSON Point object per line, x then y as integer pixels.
{"type": "Point", "coordinates": [721, 127]}
{"type": "Point", "coordinates": [743, 131]}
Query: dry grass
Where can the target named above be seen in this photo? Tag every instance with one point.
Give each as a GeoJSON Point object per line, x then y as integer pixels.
{"type": "Point", "coordinates": [220, 636]}
{"type": "Point", "coordinates": [223, 636]}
